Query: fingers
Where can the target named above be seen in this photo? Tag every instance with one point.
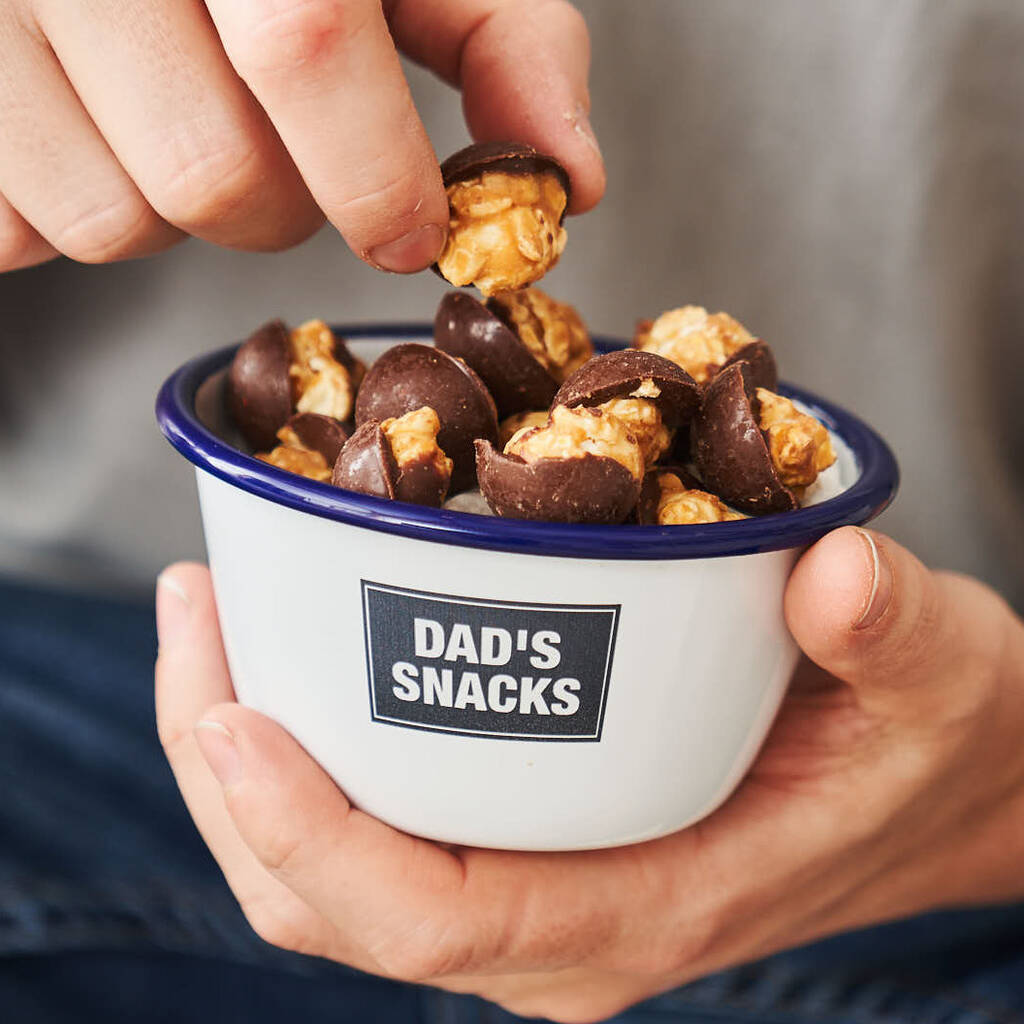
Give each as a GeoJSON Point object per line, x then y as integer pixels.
{"type": "Point", "coordinates": [192, 671]}
{"type": "Point", "coordinates": [179, 121]}
{"type": "Point", "coordinates": [191, 676]}
{"type": "Point", "coordinates": [522, 66]}
{"type": "Point", "coordinates": [395, 894]}
{"type": "Point", "coordinates": [419, 911]}
{"type": "Point", "coordinates": [315, 874]}
{"type": "Point", "coordinates": [55, 168]}
{"type": "Point", "coordinates": [866, 610]}
{"type": "Point", "coordinates": [311, 873]}
{"type": "Point", "coordinates": [159, 137]}
{"type": "Point", "coordinates": [20, 245]}
{"type": "Point", "coordinates": [328, 76]}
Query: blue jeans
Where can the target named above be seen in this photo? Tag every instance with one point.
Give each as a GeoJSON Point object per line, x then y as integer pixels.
{"type": "Point", "coordinates": [111, 908]}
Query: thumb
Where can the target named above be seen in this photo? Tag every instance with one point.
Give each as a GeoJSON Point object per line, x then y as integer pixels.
{"type": "Point", "coordinates": [908, 639]}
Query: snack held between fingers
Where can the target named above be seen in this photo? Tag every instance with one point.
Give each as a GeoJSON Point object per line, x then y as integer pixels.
{"type": "Point", "coordinates": [506, 203]}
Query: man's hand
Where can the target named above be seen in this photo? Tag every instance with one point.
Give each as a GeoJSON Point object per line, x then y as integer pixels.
{"type": "Point", "coordinates": [126, 125]}
{"type": "Point", "coordinates": [893, 782]}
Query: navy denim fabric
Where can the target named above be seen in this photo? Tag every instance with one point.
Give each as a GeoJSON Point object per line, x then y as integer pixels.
{"type": "Point", "coordinates": [111, 909]}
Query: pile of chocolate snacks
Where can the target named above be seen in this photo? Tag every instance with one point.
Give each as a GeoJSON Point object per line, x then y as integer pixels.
{"type": "Point", "coordinates": [684, 427]}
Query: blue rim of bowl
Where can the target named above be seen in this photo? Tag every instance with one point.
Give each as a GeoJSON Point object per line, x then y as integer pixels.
{"type": "Point", "coordinates": [873, 490]}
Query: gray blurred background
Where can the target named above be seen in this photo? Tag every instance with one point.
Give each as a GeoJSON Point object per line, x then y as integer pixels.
{"type": "Point", "coordinates": [845, 178]}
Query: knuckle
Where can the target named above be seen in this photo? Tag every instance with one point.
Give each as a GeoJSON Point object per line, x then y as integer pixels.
{"type": "Point", "coordinates": [206, 189]}
{"type": "Point", "coordinates": [569, 20]}
{"type": "Point", "coordinates": [277, 848]}
{"type": "Point", "coordinates": [572, 18]}
{"type": "Point", "coordinates": [298, 34]}
{"type": "Point", "coordinates": [19, 245]}
{"type": "Point", "coordinates": [273, 928]}
{"type": "Point", "coordinates": [171, 734]}
{"type": "Point", "coordinates": [290, 233]}
{"type": "Point", "coordinates": [110, 230]}
{"type": "Point", "coordinates": [268, 929]}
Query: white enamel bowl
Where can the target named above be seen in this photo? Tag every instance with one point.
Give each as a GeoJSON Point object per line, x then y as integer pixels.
{"type": "Point", "coordinates": [489, 682]}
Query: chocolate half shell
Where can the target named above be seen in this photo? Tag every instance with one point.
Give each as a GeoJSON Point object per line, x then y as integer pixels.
{"type": "Point", "coordinates": [410, 376]}
{"type": "Point", "coordinates": [730, 450]}
{"type": "Point", "coordinates": [761, 360]}
{"type": "Point", "coordinates": [368, 465]}
{"type": "Point", "coordinates": [322, 434]}
{"type": "Point", "coordinates": [467, 329]}
{"type": "Point", "coordinates": [420, 483]}
{"type": "Point", "coordinates": [583, 489]}
{"type": "Point", "coordinates": [619, 374]}
{"type": "Point", "coordinates": [650, 492]}
{"type": "Point", "coordinates": [259, 395]}
{"type": "Point", "coordinates": [510, 157]}
{"type": "Point", "coordinates": [681, 450]}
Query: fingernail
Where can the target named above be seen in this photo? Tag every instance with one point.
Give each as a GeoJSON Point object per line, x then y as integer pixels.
{"type": "Point", "coordinates": [173, 608]}
{"type": "Point", "coordinates": [412, 252]}
{"type": "Point", "coordinates": [881, 584]}
{"type": "Point", "coordinates": [580, 121]}
{"type": "Point", "coordinates": [218, 747]}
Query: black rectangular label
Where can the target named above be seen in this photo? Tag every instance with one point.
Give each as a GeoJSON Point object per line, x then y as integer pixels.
{"type": "Point", "coordinates": [502, 669]}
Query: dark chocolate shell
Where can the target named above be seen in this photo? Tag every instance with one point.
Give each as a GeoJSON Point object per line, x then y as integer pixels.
{"type": "Point", "coordinates": [761, 360]}
{"type": "Point", "coordinates": [322, 434]}
{"type": "Point", "coordinates": [366, 464]}
{"type": "Point", "coordinates": [421, 483]}
{"type": "Point", "coordinates": [730, 450]}
{"type": "Point", "coordinates": [586, 489]}
{"type": "Point", "coordinates": [619, 373]}
{"type": "Point", "coordinates": [342, 354]}
{"type": "Point", "coordinates": [410, 376]}
{"type": "Point", "coordinates": [650, 492]}
{"type": "Point", "coordinates": [681, 446]}
{"type": "Point", "coordinates": [469, 330]}
{"type": "Point", "coordinates": [511, 157]}
{"type": "Point", "coordinates": [259, 395]}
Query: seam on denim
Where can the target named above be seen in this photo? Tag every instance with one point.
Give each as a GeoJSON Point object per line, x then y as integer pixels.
{"type": "Point", "coordinates": [208, 925]}
{"type": "Point", "coordinates": [32, 920]}
{"type": "Point", "coordinates": [940, 1002]}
